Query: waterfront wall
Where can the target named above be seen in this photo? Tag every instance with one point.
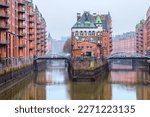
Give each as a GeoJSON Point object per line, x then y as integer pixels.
{"type": "Point", "coordinates": [87, 74]}
{"type": "Point", "coordinates": [19, 72]}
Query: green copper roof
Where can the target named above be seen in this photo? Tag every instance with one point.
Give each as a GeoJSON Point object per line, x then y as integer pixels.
{"type": "Point", "coordinates": [29, 0]}
{"type": "Point", "coordinates": [86, 21]}
{"type": "Point", "coordinates": [98, 20]}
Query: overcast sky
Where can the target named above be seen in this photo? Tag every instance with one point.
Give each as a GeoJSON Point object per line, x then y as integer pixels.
{"type": "Point", "coordinates": [60, 15]}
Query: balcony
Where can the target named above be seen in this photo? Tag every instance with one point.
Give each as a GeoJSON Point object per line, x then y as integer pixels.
{"type": "Point", "coordinates": [31, 47]}
{"type": "Point", "coordinates": [31, 21]}
{"type": "Point", "coordinates": [21, 27]}
{"type": "Point", "coordinates": [42, 36]}
{"type": "Point", "coordinates": [38, 28]}
{"type": "Point", "coordinates": [38, 23]}
{"type": "Point", "coordinates": [31, 27]}
{"type": "Point", "coordinates": [21, 35]}
{"type": "Point", "coordinates": [31, 39]}
{"type": "Point", "coordinates": [38, 42]}
{"type": "Point", "coordinates": [42, 41]}
{"type": "Point", "coordinates": [31, 33]}
{"type": "Point", "coordinates": [4, 15]}
{"type": "Point", "coordinates": [22, 3]}
{"type": "Point", "coordinates": [4, 26]}
{"type": "Point", "coordinates": [38, 37]}
{"type": "Point", "coordinates": [38, 33]}
{"type": "Point", "coordinates": [21, 11]}
{"type": "Point", "coordinates": [21, 19]}
{"type": "Point", "coordinates": [4, 42]}
{"type": "Point", "coordinates": [22, 46]}
{"type": "Point", "coordinates": [38, 50]}
{"type": "Point", "coordinates": [5, 4]}
{"type": "Point", "coordinates": [31, 15]}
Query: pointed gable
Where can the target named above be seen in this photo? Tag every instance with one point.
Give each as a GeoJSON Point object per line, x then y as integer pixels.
{"type": "Point", "coordinates": [98, 20]}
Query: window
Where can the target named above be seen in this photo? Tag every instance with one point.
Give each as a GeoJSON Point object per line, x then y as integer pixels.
{"type": "Point", "coordinates": [87, 47]}
{"type": "Point", "coordinates": [93, 33]}
{"type": "Point", "coordinates": [76, 34]}
{"type": "Point", "coordinates": [92, 40]}
{"type": "Point", "coordinates": [85, 33]}
{"type": "Point", "coordinates": [91, 47]}
{"type": "Point", "coordinates": [89, 33]}
{"type": "Point", "coordinates": [78, 47]}
{"type": "Point", "coordinates": [99, 33]}
{"type": "Point", "coordinates": [81, 33]}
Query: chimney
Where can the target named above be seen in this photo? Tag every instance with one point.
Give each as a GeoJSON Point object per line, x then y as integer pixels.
{"type": "Point", "coordinates": [94, 14]}
{"type": "Point", "coordinates": [78, 16]}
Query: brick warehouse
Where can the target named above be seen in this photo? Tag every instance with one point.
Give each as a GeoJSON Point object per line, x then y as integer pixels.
{"type": "Point", "coordinates": [22, 32]}
{"type": "Point", "coordinates": [92, 35]}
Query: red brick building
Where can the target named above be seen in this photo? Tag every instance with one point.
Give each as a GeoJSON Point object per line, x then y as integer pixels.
{"type": "Point", "coordinates": [141, 43]}
{"type": "Point", "coordinates": [91, 35]}
{"type": "Point", "coordinates": [22, 32]}
{"type": "Point", "coordinates": [125, 43]}
{"type": "Point", "coordinates": [147, 25]}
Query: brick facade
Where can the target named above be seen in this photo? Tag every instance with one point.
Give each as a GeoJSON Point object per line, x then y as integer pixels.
{"type": "Point", "coordinates": [91, 35]}
{"type": "Point", "coordinates": [22, 32]}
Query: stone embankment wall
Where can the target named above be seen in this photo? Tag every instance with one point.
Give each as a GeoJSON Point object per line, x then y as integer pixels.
{"type": "Point", "coordinates": [19, 72]}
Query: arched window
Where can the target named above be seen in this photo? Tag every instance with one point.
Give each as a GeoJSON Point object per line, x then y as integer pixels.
{"type": "Point", "coordinates": [81, 33]}
{"type": "Point", "coordinates": [93, 33]}
{"type": "Point", "coordinates": [76, 34]}
{"type": "Point", "coordinates": [89, 33]}
{"type": "Point", "coordinates": [85, 33]}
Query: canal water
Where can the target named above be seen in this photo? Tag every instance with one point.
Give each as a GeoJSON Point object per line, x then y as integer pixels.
{"type": "Point", "coordinates": [125, 81]}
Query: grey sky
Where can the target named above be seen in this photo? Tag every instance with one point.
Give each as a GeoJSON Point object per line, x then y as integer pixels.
{"type": "Point", "coordinates": [60, 15]}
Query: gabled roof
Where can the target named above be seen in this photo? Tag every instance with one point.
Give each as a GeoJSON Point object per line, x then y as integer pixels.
{"type": "Point", "coordinates": [86, 21]}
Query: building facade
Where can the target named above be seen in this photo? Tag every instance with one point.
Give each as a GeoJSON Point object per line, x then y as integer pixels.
{"type": "Point", "coordinates": [91, 35]}
{"type": "Point", "coordinates": [125, 43]}
{"type": "Point", "coordinates": [147, 25]}
{"type": "Point", "coordinates": [141, 43]}
{"type": "Point", "coordinates": [22, 32]}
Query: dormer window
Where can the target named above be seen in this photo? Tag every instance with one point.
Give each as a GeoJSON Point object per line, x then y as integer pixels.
{"type": "Point", "coordinates": [78, 24]}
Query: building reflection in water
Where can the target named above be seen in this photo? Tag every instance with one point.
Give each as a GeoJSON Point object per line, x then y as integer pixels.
{"type": "Point", "coordinates": [122, 82]}
{"type": "Point", "coordinates": [130, 83]}
{"type": "Point", "coordinates": [100, 90]}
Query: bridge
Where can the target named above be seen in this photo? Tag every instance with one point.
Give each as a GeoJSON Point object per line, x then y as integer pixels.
{"type": "Point", "coordinates": [52, 57]}
{"type": "Point", "coordinates": [124, 55]}
{"type": "Point", "coordinates": [64, 57]}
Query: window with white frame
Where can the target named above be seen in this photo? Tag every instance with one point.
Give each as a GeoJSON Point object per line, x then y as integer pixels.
{"type": "Point", "coordinates": [93, 33]}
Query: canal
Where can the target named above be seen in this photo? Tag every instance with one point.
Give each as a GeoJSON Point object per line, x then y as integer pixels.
{"type": "Point", "coordinates": [123, 82]}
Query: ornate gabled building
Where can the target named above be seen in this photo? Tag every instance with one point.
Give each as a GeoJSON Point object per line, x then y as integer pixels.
{"type": "Point", "coordinates": [91, 35]}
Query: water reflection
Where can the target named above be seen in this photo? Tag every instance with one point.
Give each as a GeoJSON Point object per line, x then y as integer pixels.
{"type": "Point", "coordinates": [122, 82]}
{"type": "Point", "coordinates": [100, 90]}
